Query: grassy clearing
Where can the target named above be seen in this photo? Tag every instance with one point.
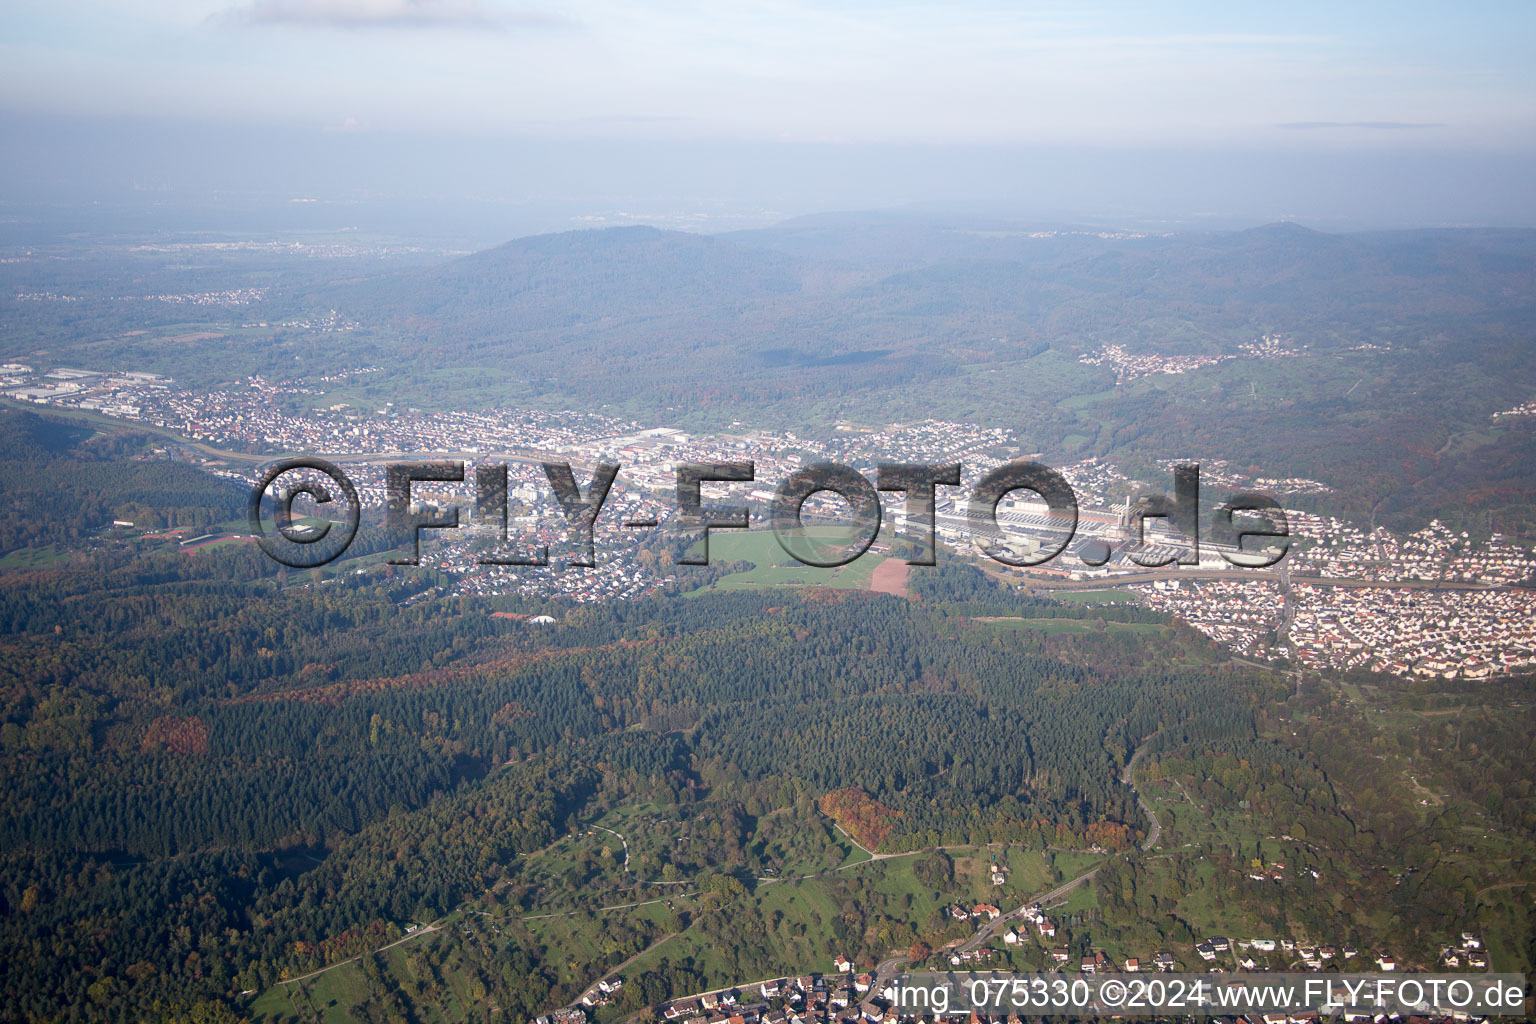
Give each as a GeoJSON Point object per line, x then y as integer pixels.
{"type": "Point", "coordinates": [579, 938]}
{"type": "Point", "coordinates": [576, 864]}
{"type": "Point", "coordinates": [773, 567]}
{"type": "Point", "coordinates": [275, 1004]}
{"type": "Point", "coordinates": [330, 996]}
{"type": "Point", "coordinates": [1069, 864]}
{"type": "Point", "coordinates": [903, 889]}
{"type": "Point", "coordinates": [30, 558]}
{"type": "Point", "coordinates": [1084, 897]}
{"type": "Point", "coordinates": [856, 855]}
{"type": "Point", "coordinates": [1076, 402]}
{"type": "Point", "coordinates": [1028, 871]}
{"type": "Point", "coordinates": [804, 914]}
{"type": "Point", "coordinates": [1027, 874]}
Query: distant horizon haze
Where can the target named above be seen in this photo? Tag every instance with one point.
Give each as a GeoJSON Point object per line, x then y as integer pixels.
{"type": "Point", "coordinates": [122, 176]}
{"type": "Point", "coordinates": [471, 121]}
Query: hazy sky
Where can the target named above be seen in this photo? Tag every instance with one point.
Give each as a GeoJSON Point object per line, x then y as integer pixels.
{"type": "Point", "coordinates": [1375, 86]}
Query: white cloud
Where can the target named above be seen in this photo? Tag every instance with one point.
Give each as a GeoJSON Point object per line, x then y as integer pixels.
{"type": "Point", "coordinates": [392, 14]}
{"type": "Point", "coordinates": [1366, 125]}
{"type": "Point", "coordinates": [858, 71]}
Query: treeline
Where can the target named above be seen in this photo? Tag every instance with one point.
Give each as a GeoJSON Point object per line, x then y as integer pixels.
{"type": "Point", "coordinates": [962, 589]}
{"type": "Point", "coordinates": [101, 938]}
{"type": "Point", "coordinates": [57, 487]}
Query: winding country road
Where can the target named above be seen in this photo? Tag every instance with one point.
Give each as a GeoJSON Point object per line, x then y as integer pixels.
{"type": "Point", "coordinates": [993, 927]}
{"type": "Point", "coordinates": [624, 842]}
{"type": "Point", "coordinates": [1125, 776]}
{"type": "Point", "coordinates": [888, 968]}
{"type": "Point", "coordinates": [418, 933]}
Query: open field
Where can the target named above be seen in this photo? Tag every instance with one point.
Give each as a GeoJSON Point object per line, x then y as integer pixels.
{"type": "Point", "coordinates": [773, 567]}
{"type": "Point", "coordinates": [890, 577]}
{"type": "Point", "coordinates": [30, 558]}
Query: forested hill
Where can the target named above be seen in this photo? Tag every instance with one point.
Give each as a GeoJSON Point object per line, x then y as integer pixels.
{"type": "Point", "coordinates": [841, 281]}
{"type": "Point", "coordinates": [166, 808]}
{"type": "Point", "coordinates": [1387, 349]}
{"type": "Point", "coordinates": [579, 277]}
{"type": "Point", "coordinates": [59, 484]}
